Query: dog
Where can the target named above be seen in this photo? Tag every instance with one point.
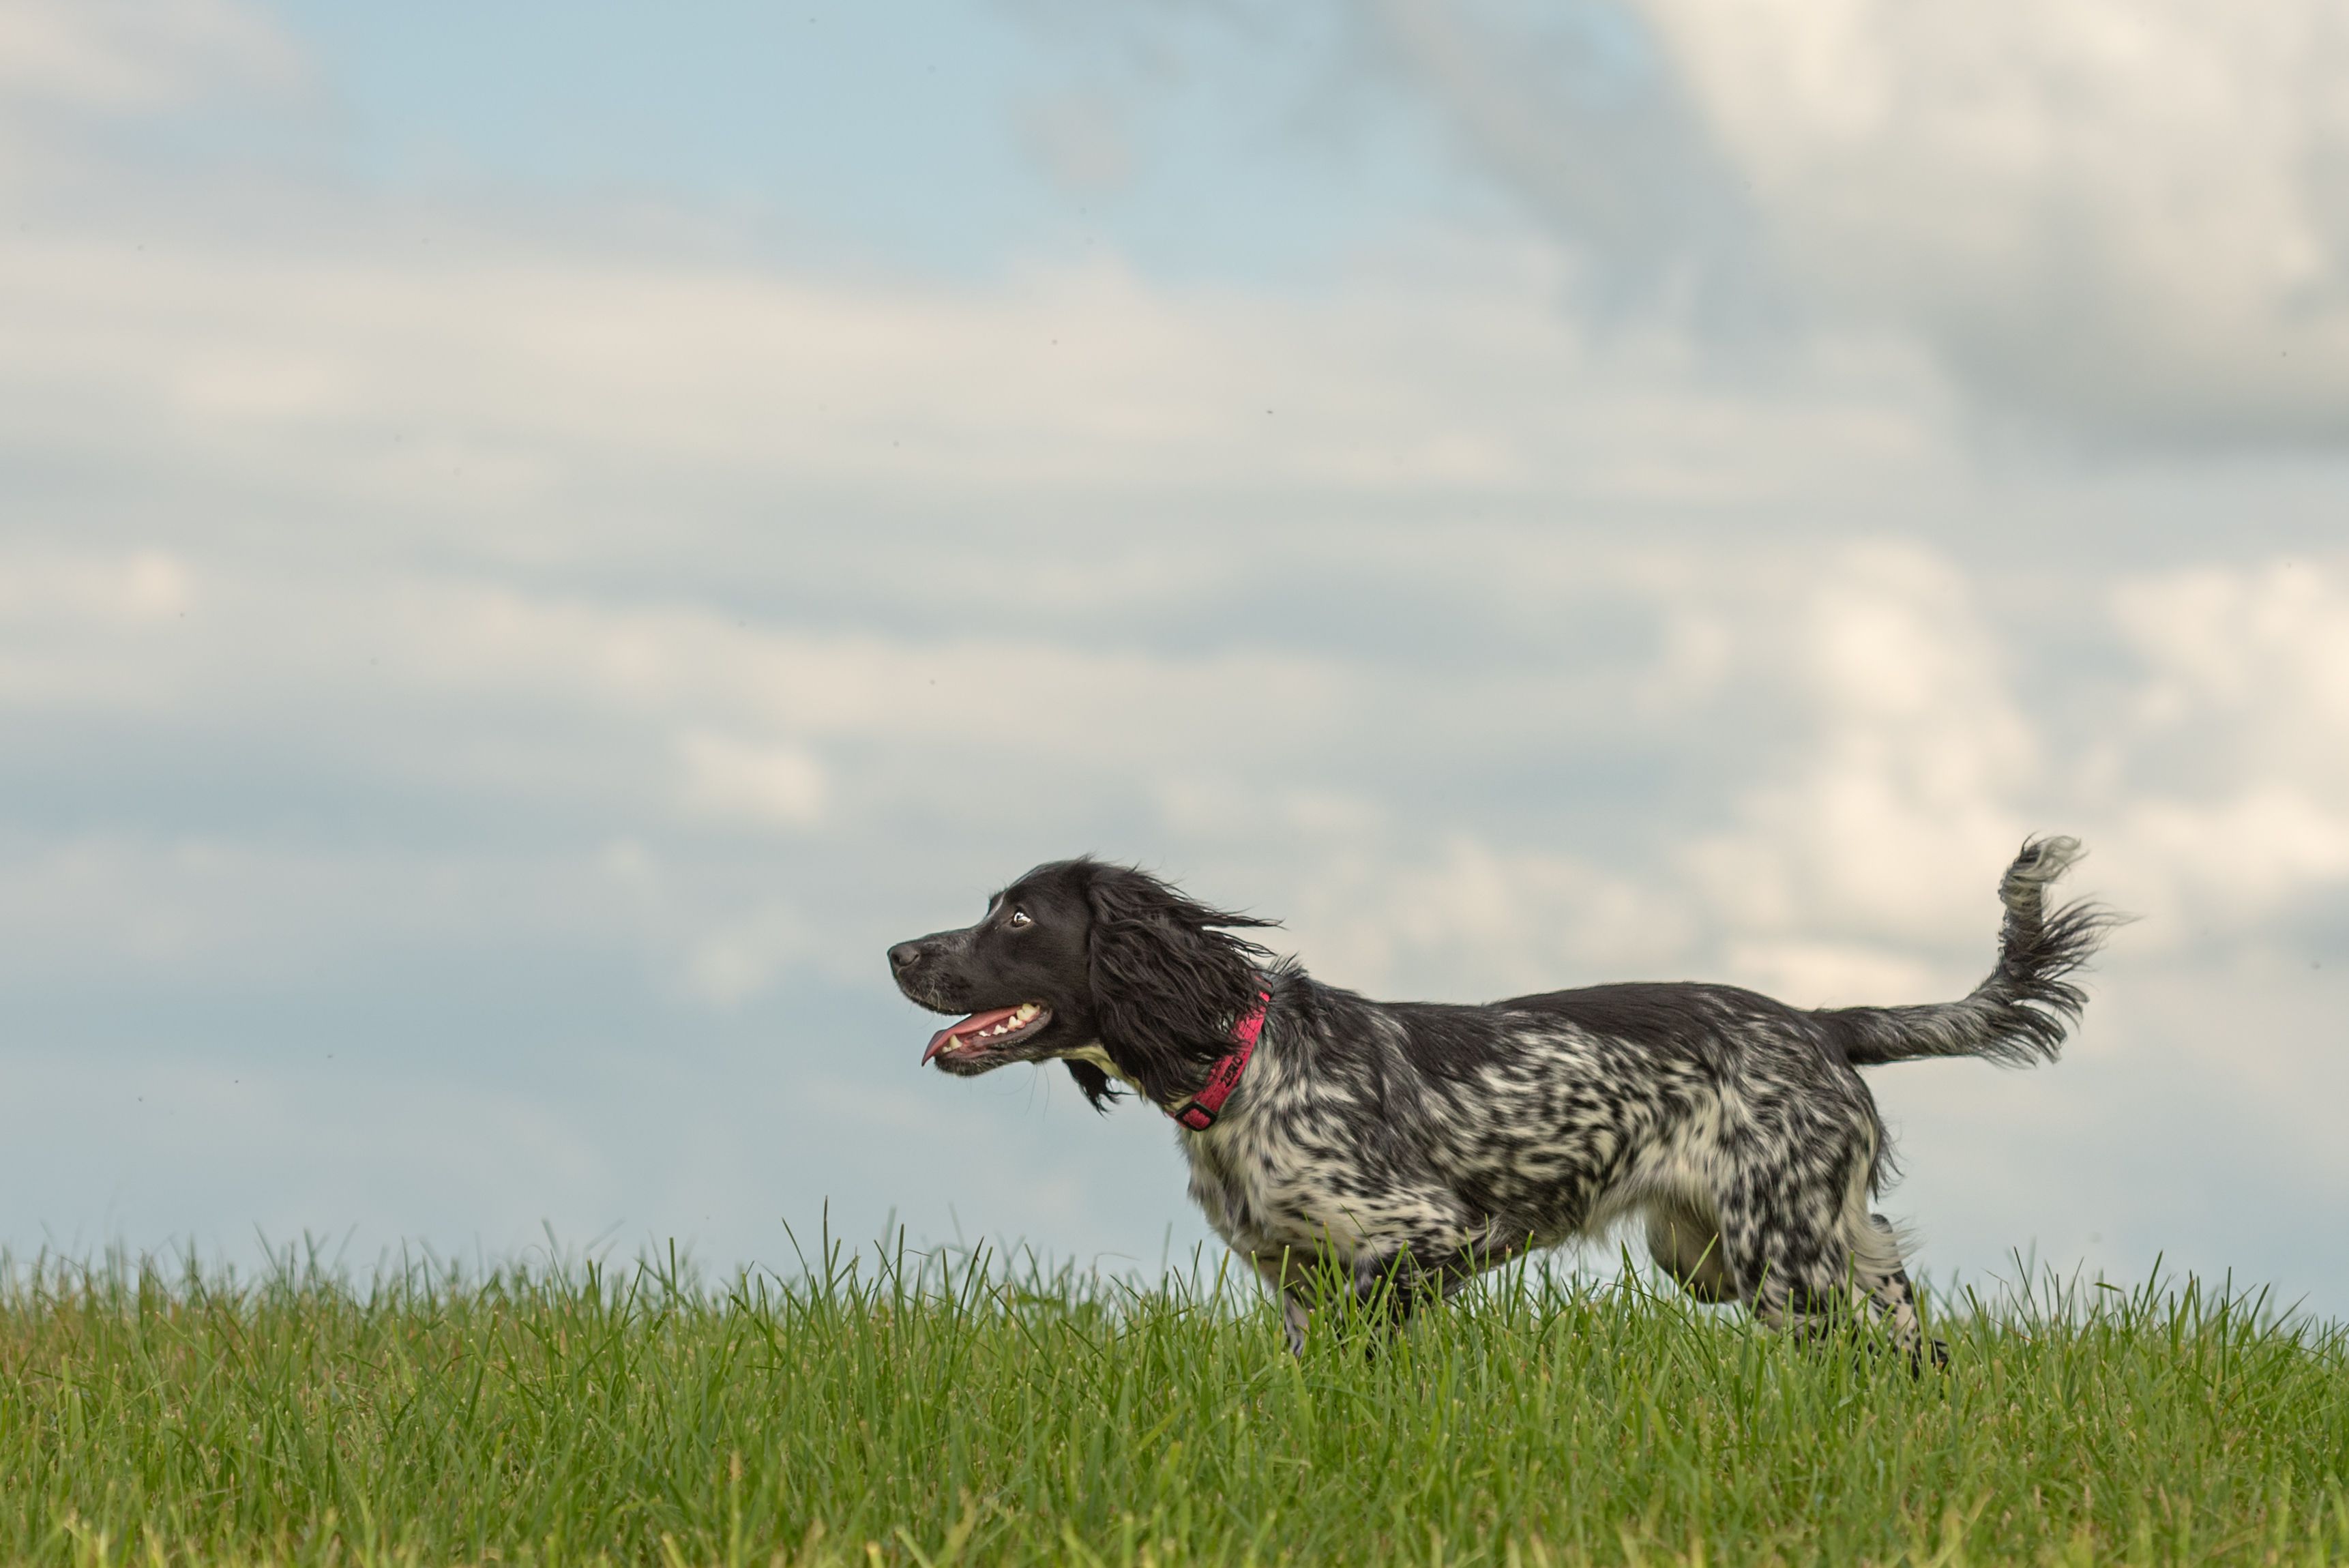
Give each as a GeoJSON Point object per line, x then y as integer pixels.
{"type": "Point", "coordinates": [1410, 1145]}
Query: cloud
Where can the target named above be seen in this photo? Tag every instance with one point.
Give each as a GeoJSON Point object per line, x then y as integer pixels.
{"type": "Point", "coordinates": [2234, 758]}
{"type": "Point", "coordinates": [129, 55]}
{"type": "Point", "coordinates": [2131, 214]}
{"type": "Point", "coordinates": [1886, 818]}
{"type": "Point", "coordinates": [2131, 218]}
{"type": "Point", "coordinates": [68, 65]}
{"type": "Point", "coordinates": [1579, 112]}
{"type": "Point", "coordinates": [488, 381]}
{"type": "Point", "coordinates": [746, 956]}
{"type": "Point", "coordinates": [762, 783]}
{"type": "Point", "coordinates": [1465, 916]}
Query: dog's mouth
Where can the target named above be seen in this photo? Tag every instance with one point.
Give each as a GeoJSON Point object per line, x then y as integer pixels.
{"type": "Point", "coordinates": [985, 1033]}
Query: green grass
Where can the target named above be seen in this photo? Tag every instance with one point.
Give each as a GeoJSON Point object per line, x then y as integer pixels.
{"type": "Point", "coordinates": [899, 1411]}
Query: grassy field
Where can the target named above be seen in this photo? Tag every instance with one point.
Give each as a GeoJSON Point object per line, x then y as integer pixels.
{"type": "Point", "coordinates": [891, 1410]}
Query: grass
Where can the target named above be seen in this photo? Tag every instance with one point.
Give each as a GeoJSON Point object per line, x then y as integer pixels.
{"type": "Point", "coordinates": [898, 1410]}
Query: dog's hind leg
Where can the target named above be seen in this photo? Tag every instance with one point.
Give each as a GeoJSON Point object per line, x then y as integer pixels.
{"type": "Point", "coordinates": [1894, 1298]}
{"type": "Point", "coordinates": [1785, 1269]}
{"type": "Point", "coordinates": [1858, 1272]}
{"type": "Point", "coordinates": [1796, 1236]}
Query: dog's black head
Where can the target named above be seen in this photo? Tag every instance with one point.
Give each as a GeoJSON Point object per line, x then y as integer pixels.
{"type": "Point", "coordinates": [1082, 961]}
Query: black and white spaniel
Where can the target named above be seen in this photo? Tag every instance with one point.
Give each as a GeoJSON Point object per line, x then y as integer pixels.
{"type": "Point", "coordinates": [1414, 1143]}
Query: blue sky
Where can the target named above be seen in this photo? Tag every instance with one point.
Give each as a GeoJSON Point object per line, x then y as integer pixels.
{"type": "Point", "coordinates": [536, 541]}
{"type": "Point", "coordinates": [942, 138]}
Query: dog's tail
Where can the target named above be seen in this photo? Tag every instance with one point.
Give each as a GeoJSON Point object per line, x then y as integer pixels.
{"type": "Point", "coordinates": [2016, 1017]}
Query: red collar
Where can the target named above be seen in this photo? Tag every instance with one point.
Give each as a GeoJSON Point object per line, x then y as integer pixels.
{"type": "Point", "coordinates": [1198, 1113]}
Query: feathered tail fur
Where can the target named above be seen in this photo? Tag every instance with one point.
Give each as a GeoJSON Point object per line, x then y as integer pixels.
{"type": "Point", "coordinates": [2017, 1016]}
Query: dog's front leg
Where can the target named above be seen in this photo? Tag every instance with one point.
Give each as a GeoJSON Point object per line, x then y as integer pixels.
{"type": "Point", "coordinates": [1289, 1280]}
{"type": "Point", "coordinates": [1387, 1285]}
{"type": "Point", "coordinates": [1295, 1315]}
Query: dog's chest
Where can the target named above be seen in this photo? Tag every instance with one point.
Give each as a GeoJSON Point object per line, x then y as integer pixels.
{"type": "Point", "coordinates": [1268, 1183]}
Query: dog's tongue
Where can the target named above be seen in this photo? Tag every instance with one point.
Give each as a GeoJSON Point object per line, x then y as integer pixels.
{"type": "Point", "coordinates": [976, 1021]}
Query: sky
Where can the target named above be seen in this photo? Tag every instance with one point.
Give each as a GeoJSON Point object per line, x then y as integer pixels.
{"type": "Point", "coordinates": [536, 541]}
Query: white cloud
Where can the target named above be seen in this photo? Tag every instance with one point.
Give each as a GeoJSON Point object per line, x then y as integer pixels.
{"type": "Point", "coordinates": [119, 56]}
{"type": "Point", "coordinates": [67, 63]}
{"type": "Point", "coordinates": [2264, 646]}
{"type": "Point", "coordinates": [2132, 216]}
{"type": "Point", "coordinates": [776, 785]}
{"type": "Point", "coordinates": [1888, 812]}
{"type": "Point", "coordinates": [2132, 213]}
{"type": "Point", "coordinates": [485, 383]}
{"type": "Point", "coordinates": [745, 956]}
{"type": "Point", "coordinates": [51, 598]}
{"type": "Point", "coordinates": [1463, 917]}
{"type": "Point", "coordinates": [2232, 767]}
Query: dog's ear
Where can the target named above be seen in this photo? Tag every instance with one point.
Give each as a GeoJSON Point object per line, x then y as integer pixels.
{"type": "Point", "coordinates": [1167, 984]}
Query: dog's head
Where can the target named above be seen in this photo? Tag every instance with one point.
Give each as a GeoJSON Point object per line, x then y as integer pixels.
{"type": "Point", "coordinates": [1103, 966]}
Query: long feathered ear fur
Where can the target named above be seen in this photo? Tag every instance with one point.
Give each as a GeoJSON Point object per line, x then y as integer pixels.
{"type": "Point", "coordinates": [1167, 986]}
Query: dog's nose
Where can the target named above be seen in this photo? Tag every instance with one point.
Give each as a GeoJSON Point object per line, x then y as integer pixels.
{"type": "Point", "coordinates": [904, 955]}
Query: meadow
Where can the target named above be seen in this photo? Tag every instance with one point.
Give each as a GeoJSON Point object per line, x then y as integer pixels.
{"type": "Point", "coordinates": [889, 1407]}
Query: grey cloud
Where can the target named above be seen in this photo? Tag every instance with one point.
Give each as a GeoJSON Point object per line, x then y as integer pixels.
{"type": "Point", "coordinates": [2118, 220]}
{"type": "Point", "coordinates": [1581, 113]}
{"type": "Point", "coordinates": [2129, 219]}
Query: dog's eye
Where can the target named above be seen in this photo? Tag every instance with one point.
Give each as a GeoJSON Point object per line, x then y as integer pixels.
{"type": "Point", "coordinates": [1019, 917]}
